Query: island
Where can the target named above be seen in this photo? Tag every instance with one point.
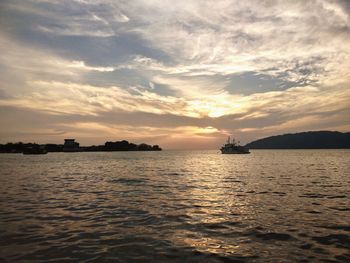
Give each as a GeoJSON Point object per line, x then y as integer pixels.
{"type": "Point", "coordinates": [304, 140]}
{"type": "Point", "coordinates": [70, 145]}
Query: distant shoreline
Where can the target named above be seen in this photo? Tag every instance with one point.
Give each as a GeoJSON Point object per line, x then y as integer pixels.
{"type": "Point", "coordinates": [190, 150]}
{"type": "Point", "coordinates": [304, 140]}
{"type": "Point", "coordinates": [299, 148]}
{"type": "Point", "coordinates": [71, 146]}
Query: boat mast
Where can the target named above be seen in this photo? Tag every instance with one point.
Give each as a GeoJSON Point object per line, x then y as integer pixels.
{"type": "Point", "coordinates": [233, 141]}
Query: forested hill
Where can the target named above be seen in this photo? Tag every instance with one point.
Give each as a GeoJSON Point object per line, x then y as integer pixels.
{"type": "Point", "coordinates": [304, 140]}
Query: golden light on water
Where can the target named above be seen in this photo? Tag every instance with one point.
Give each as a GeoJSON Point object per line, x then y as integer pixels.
{"type": "Point", "coordinates": [153, 69]}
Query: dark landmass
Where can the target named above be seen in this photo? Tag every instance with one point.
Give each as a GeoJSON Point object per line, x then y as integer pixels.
{"type": "Point", "coordinates": [304, 140]}
{"type": "Point", "coordinates": [20, 147]}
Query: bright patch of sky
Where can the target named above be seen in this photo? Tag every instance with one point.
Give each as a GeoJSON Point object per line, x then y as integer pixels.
{"type": "Point", "coordinates": [172, 72]}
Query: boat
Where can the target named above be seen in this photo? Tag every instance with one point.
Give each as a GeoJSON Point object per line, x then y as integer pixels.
{"type": "Point", "coordinates": [233, 147]}
{"type": "Point", "coordinates": [34, 150]}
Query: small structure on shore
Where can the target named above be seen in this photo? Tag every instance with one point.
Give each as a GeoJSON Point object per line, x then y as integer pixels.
{"type": "Point", "coordinates": [70, 145]}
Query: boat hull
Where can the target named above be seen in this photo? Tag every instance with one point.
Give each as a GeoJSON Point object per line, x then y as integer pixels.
{"type": "Point", "coordinates": [34, 150]}
{"type": "Point", "coordinates": [233, 148]}
{"type": "Point", "coordinates": [33, 153]}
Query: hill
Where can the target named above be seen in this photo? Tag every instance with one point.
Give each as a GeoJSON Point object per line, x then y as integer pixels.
{"type": "Point", "coordinates": [304, 140]}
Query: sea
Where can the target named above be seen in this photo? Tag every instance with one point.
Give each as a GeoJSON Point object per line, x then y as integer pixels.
{"type": "Point", "coordinates": [176, 206]}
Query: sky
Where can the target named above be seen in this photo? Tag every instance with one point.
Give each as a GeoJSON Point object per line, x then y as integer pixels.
{"type": "Point", "coordinates": [183, 74]}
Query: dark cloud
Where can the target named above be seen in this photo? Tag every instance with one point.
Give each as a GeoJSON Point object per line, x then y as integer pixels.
{"type": "Point", "coordinates": [27, 23]}
{"type": "Point", "coordinates": [3, 94]}
{"type": "Point", "coordinates": [254, 82]}
{"type": "Point", "coordinates": [345, 4]}
{"type": "Point", "coordinates": [272, 61]}
{"type": "Point", "coordinates": [126, 78]}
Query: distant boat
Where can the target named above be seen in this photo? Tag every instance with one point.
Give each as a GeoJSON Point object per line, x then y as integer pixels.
{"type": "Point", "coordinates": [231, 147]}
{"type": "Point", "coordinates": [34, 150]}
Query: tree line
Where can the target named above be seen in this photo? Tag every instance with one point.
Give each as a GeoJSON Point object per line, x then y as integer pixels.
{"type": "Point", "coordinates": [20, 147]}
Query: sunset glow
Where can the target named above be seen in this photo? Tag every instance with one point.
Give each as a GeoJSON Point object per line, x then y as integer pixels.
{"type": "Point", "coordinates": [171, 72]}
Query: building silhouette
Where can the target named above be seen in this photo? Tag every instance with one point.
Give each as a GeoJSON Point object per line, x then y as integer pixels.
{"type": "Point", "coordinates": [70, 145]}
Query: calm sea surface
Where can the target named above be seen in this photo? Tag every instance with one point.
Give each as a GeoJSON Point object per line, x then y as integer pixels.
{"type": "Point", "coordinates": [176, 206]}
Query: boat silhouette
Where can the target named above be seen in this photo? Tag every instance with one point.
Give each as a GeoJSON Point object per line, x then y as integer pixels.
{"type": "Point", "coordinates": [233, 147]}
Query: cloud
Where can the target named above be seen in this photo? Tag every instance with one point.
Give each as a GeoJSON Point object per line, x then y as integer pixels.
{"type": "Point", "coordinates": [253, 68]}
{"type": "Point", "coordinates": [81, 65]}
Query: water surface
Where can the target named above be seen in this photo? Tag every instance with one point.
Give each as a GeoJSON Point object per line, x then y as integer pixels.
{"type": "Point", "coordinates": [172, 206]}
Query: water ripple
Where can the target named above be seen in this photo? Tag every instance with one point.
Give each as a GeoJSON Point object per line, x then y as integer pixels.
{"type": "Point", "coordinates": [290, 206]}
